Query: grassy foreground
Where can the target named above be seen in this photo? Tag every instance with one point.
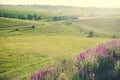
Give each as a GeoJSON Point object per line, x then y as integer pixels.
{"type": "Point", "coordinates": [99, 63]}
{"type": "Point", "coordinates": [21, 54]}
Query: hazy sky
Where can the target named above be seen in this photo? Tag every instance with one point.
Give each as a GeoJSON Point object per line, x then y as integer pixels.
{"type": "Point", "coordinates": [81, 3]}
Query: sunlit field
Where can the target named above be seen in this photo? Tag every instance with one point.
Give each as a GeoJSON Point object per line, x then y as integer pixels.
{"type": "Point", "coordinates": [23, 54]}
{"type": "Point", "coordinates": [31, 46]}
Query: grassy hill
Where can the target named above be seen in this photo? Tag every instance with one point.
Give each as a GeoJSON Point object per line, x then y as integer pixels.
{"type": "Point", "coordinates": [102, 27]}
{"type": "Point", "coordinates": [8, 27]}
{"type": "Point", "coordinates": [22, 54]}
{"type": "Point", "coordinates": [105, 25]}
{"type": "Point", "coordinates": [31, 49]}
{"type": "Point", "coordinates": [24, 50]}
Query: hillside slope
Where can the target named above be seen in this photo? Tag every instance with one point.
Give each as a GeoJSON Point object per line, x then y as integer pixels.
{"type": "Point", "coordinates": [102, 27]}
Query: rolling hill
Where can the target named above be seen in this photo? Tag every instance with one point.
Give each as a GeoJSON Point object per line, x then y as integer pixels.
{"type": "Point", "coordinates": [24, 49]}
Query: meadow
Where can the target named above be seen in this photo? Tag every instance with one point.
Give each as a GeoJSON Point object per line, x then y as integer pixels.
{"type": "Point", "coordinates": [108, 25]}
{"type": "Point", "coordinates": [22, 54]}
{"type": "Point", "coordinates": [25, 50]}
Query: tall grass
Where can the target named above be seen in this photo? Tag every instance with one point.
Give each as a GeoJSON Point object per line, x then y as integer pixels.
{"type": "Point", "coordinates": [100, 63]}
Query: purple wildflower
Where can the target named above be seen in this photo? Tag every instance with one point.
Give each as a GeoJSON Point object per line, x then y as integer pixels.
{"type": "Point", "coordinates": [42, 73]}
{"type": "Point", "coordinates": [81, 57]}
{"type": "Point", "coordinates": [34, 77]}
{"type": "Point", "coordinates": [101, 50]}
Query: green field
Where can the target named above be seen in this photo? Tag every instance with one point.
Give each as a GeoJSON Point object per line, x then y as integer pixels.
{"type": "Point", "coordinates": [26, 50]}
{"type": "Point", "coordinates": [21, 53]}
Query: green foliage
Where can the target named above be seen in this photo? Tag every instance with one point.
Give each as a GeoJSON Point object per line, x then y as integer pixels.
{"type": "Point", "coordinates": [116, 36]}
{"type": "Point", "coordinates": [33, 27]}
{"type": "Point", "coordinates": [30, 17]}
{"type": "Point", "coordinates": [102, 67]}
{"type": "Point", "coordinates": [37, 18]}
{"type": "Point", "coordinates": [0, 14]}
{"type": "Point", "coordinates": [58, 18]}
{"type": "Point", "coordinates": [18, 12]}
{"type": "Point", "coordinates": [16, 29]}
{"type": "Point", "coordinates": [21, 17]}
{"type": "Point", "coordinates": [105, 69]}
{"type": "Point", "coordinates": [91, 34]}
{"type": "Point", "coordinates": [117, 54]}
{"type": "Point", "coordinates": [117, 71]}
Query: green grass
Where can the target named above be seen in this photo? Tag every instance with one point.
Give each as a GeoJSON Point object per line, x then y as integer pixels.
{"type": "Point", "coordinates": [102, 26]}
{"type": "Point", "coordinates": [29, 49]}
{"type": "Point", "coordinates": [10, 23]}
{"type": "Point", "coordinates": [21, 54]}
{"type": "Point", "coordinates": [8, 26]}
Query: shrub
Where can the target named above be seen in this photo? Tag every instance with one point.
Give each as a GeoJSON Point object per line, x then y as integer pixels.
{"type": "Point", "coordinates": [91, 34]}
{"type": "Point", "coordinates": [101, 61]}
{"type": "Point", "coordinates": [105, 68]}
{"type": "Point", "coordinates": [114, 36]}
{"type": "Point", "coordinates": [117, 71]}
{"type": "Point", "coordinates": [17, 29]}
{"type": "Point", "coordinates": [33, 27]}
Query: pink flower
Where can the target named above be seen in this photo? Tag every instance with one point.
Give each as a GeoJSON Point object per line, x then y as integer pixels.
{"type": "Point", "coordinates": [81, 57]}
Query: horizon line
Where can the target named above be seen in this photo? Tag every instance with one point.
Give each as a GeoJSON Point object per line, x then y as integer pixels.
{"type": "Point", "coordinates": [54, 5]}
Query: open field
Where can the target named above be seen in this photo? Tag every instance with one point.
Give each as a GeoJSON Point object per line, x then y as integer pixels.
{"type": "Point", "coordinates": [108, 25]}
{"type": "Point", "coordinates": [24, 49]}
{"type": "Point", "coordinates": [8, 26]}
{"type": "Point", "coordinates": [101, 26]}
{"type": "Point", "coordinates": [22, 54]}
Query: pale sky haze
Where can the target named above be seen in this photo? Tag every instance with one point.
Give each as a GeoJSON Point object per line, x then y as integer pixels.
{"type": "Point", "coordinates": [76, 3]}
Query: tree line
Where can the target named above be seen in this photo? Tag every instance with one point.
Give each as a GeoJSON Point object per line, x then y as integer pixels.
{"type": "Point", "coordinates": [58, 18]}
{"type": "Point", "coordinates": [36, 17]}
{"type": "Point", "coordinates": [23, 17]}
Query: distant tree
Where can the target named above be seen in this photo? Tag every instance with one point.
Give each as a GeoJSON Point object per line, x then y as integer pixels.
{"type": "Point", "coordinates": [59, 18]}
{"type": "Point", "coordinates": [55, 18]}
{"type": "Point", "coordinates": [114, 36]}
{"type": "Point", "coordinates": [35, 17]}
{"type": "Point", "coordinates": [16, 29]}
{"type": "Point", "coordinates": [1, 15]}
{"type": "Point", "coordinates": [21, 17]}
{"type": "Point", "coordinates": [13, 16]}
{"type": "Point", "coordinates": [68, 23]}
{"type": "Point", "coordinates": [5, 15]}
{"type": "Point", "coordinates": [33, 27]}
{"type": "Point", "coordinates": [30, 17]}
{"type": "Point", "coordinates": [39, 18]}
{"type": "Point", "coordinates": [91, 34]}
